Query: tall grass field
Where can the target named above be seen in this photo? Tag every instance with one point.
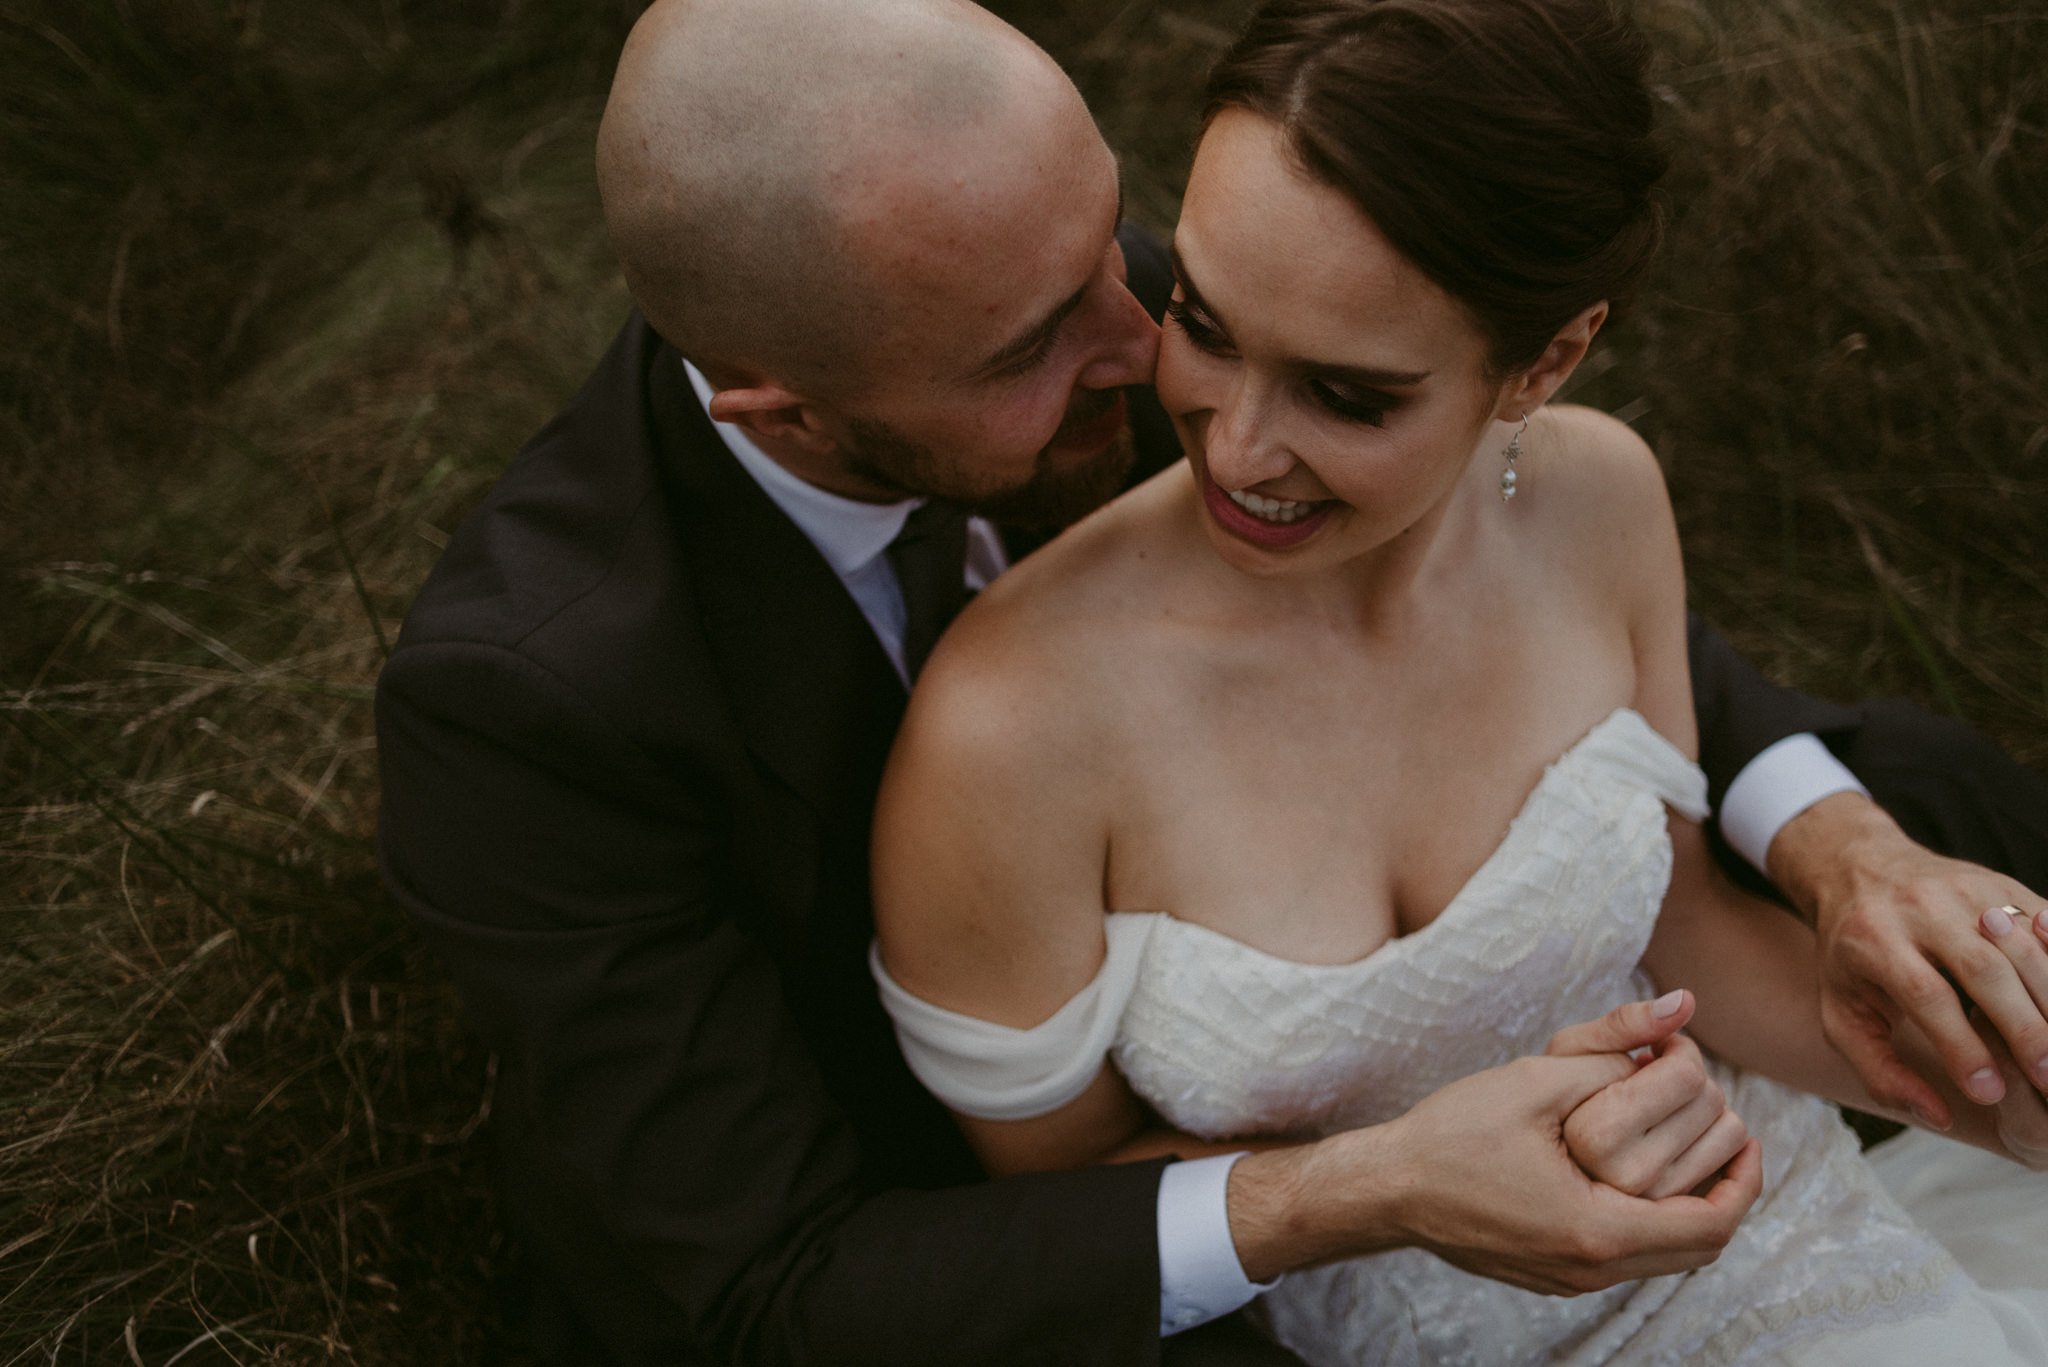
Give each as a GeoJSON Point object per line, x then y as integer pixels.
{"type": "Point", "coordinates": [285, 283]}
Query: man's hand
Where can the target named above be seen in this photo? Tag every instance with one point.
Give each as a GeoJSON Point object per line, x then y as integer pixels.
{"type": "Point", "coordinates": [1664, 1130]}
{"type": "Point", "coordinates": [1478, 1173]}
{"type": "Point", "coordinates": [1901, 929]}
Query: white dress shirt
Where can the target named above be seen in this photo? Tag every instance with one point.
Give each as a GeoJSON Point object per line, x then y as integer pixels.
{"type": "Point", "coordinates": [1780, 783]}
{"type": "Point", "coordinates": [1200, 1276]}
{"type": "Point", "coordinates": [853, 536]}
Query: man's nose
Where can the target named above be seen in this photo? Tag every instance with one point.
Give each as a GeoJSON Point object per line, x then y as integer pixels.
{"type": "Point", "coordinates": [1128, 351]}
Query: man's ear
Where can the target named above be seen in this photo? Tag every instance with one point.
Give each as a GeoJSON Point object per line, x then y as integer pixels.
{"type": "Point", "coordinates": [1533, 388]}
{"type": "Point", "coordinates": [774, 416]}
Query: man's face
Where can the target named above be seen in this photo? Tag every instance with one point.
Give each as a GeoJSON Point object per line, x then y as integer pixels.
{"type": "Point", "coordinates": [999, 385]}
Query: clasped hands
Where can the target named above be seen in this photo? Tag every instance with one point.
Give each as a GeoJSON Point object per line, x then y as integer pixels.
{"type": "Point", "coordinates": [1922, 962]}
{"type": "Point", "coordinates": [1610, 1157]}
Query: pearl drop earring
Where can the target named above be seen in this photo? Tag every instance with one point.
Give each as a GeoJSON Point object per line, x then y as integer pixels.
{"type": "Point", "coordinates": [1507, 476]}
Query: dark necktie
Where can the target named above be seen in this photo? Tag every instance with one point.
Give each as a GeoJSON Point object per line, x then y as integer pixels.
{"type": "Point", "coordinates": [930, 556]}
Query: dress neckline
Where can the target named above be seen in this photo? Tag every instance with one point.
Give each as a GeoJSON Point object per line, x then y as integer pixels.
{"type": "Point", "coordinates": [1397, 946]}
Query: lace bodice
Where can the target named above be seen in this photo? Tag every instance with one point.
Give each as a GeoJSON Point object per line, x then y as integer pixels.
{"type": "Point", "coordinates": [1225, 1041]}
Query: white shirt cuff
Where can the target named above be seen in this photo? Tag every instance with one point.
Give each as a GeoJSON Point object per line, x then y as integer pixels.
{"type": "Point", "coordinates": [1780, 783]}
{"type": "Point", "coordinates": [1200, 1277]}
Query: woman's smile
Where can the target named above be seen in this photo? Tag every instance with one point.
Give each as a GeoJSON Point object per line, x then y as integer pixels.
{"type": "Point", "coordinates": [1331, 394]}
{"type": "Point", "coordinates": [1273, 523]}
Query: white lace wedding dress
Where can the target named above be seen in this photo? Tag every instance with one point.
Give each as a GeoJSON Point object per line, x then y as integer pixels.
{"type": "Point", "coordinates": [1225, 1041]}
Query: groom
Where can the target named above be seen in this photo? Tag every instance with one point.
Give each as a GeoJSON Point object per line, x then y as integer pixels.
{"type": "Point", "coordinates": [632, 734]}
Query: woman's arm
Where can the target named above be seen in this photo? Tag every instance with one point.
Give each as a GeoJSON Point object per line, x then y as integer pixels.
{"type": "Point", "coordinates": [990, 844]}
{"type": "Point", "coordinates": [1105, 1124]}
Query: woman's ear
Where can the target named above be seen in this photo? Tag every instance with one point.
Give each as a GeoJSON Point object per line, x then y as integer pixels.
{"type": "Point", "coordinates": [1533, 388]}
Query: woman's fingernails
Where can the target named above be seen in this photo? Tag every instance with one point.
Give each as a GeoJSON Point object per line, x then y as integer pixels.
{"type": "Point", "coordinates": [1985, 1086]}
{"type": "Point", "coordinates": [1932, 1121]}
{"type": "Point", "coordinates": [2041, 1070]}
{"type": "Point", "coordinates": [1998, 922]}
{"type": "Point", "coordinates": [1668, 1004]}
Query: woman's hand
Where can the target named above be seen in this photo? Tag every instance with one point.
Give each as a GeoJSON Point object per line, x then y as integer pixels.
{"type": "Point", "coordinates": [1667, 1128]}
{"type": "Point", "coordinates": [2022, 1111]}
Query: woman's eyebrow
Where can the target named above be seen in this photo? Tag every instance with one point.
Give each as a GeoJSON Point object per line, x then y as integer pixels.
{"type": "Point", "coordinates": [1368, 376]}
{"type": "Point", "coordinates": [1187, 285]}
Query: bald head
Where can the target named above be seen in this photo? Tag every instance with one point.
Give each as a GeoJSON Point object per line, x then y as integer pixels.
{"type": "Point", "coordinates": [771, 170]}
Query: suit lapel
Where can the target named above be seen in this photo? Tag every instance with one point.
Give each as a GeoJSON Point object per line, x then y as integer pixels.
{"type": "Point", "coordinates": [809, 685]}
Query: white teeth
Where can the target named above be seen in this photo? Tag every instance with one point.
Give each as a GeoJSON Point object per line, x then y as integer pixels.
{"type": "Point", "coordinates": [1279, 510]}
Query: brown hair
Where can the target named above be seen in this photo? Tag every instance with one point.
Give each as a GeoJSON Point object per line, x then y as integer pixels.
{"type": "Point", "coordinates": [1503, 146]}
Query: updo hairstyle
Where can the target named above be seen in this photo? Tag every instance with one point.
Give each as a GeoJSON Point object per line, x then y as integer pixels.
{"type": "Point", "coordinates": [1503, 146]}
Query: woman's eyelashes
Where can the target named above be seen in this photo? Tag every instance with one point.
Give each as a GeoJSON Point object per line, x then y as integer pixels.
{"type": "Point", "coordinates": [1349, 402]}
{"type": "Point", "coordinates": [1203, 333]}
{"type": "Point", "coordinates": [1352, 403]}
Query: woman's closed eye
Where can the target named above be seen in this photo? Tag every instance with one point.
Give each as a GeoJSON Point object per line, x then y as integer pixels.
{"type": "Point", "coordinates": [1200, 329]}
{"type": "Point", "coordinates": [1352, 402]}
{"type": "Point", "coordinates": [1339, 397]}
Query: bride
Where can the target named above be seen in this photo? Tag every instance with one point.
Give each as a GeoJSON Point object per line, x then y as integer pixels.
{"type": "Point", "coordinates": [1355, 754]}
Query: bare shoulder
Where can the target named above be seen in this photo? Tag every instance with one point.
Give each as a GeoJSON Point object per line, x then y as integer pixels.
{"type": "Point", "coordinates": [1601, 466]}
{"type": "Point", "coordinates": [1607, 529]}
{"type": "Point", "coordinates": [1600, 494]}
{"type": "Point", "coordinates": [1037, 646]}
{"type": "Point", "coordinates": [992, 826]}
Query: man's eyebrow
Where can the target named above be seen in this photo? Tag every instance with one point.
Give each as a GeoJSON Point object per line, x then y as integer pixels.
{"type": "Point", "coordinates": [1368, 376]}
{"type": "Point", "coordinates": [1039, 333]}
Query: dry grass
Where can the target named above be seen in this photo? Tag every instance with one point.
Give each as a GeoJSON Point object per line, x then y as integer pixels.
{"type": "Point", "coordinates": [1844, 360]}
{"type": "Point", "coordinates": [287, 299]}
{"type": "Point", "coordinates": [286, 285]}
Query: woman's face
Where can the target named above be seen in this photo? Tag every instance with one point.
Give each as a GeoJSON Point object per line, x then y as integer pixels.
{"type": "Point", "coordinates": [1329, 395]}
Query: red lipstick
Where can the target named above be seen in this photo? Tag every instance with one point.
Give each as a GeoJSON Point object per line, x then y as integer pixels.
{"type": "Point", "coordinates": [1274, 536]}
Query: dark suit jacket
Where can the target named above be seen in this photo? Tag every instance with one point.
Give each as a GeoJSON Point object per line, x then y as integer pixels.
{"type": "Point", "coordinates": [631, 737]}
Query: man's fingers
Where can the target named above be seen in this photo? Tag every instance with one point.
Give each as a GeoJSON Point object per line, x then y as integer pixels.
{"type": "Point", "coordinates": [1930, 1003]}
{"type": "Point", "coordinates": [2017, 1009]}
{"type": "Point", "coordinates": [1679, 1233]}
{"type": "Point", "coordinates": [1636, 1025]}
{"type": "Point", "coordinates": [1864, 1038]}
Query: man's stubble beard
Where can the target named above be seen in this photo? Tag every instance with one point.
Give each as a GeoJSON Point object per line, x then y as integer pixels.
{"type": "Point", "coordinates": [1054, 497]}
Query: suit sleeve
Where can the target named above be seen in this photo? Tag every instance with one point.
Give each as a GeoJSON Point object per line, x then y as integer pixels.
{"type": "Point", "coordinates": [1741, 713]}
{"type": "Point", "coordinates": [700, 1195]}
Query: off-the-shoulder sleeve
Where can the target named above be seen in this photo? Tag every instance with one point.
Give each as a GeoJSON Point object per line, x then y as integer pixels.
{"type": "Point", "coordinates": [998, 1072]}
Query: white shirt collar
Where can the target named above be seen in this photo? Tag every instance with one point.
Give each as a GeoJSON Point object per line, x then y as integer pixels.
{"type": "Point", "coordinates": [846, 531]}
